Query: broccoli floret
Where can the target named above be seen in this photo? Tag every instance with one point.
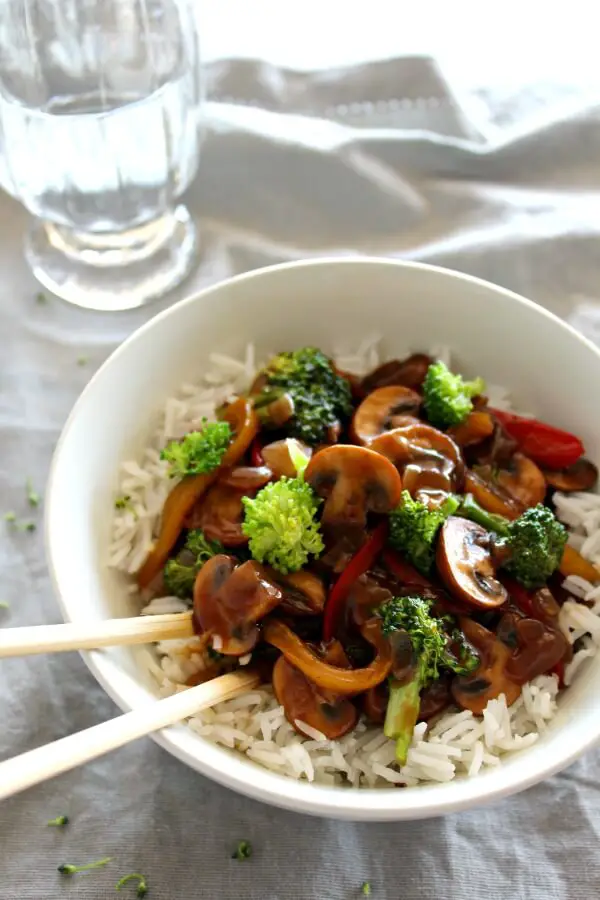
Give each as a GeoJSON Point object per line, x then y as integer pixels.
{"type": "Point", "coordinates": [179, 574]}
{"type": "Point", "coordinates": [179, 579]}
{"type": "Point", "coordinates": [432, 649]}
{"type": "Point", "coordinates": [447, 397]}
{"type": "Point", "coordinates": [199, 545]}
{"type": "Point", "coordinates": [281, 524]}
{"type": "Point", "coordinates": [414, 528]}
{"type": "Point", "coordinates": [536, 540]}
{"type": "Point", "coordinates": [199, 451]}
{"type": "Point", "coordinates": [319, 395]}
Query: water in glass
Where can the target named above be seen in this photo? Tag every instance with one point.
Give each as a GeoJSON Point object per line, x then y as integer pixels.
{"type": "Point", "coordinates": [99, 115]}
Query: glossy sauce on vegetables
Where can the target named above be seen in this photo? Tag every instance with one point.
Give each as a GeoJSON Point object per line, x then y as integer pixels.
{"type": "Point", "coordinates": [359, 471]}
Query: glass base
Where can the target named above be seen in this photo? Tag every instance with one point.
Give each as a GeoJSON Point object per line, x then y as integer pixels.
{"type": "Point", "coordinates": [117, 271]}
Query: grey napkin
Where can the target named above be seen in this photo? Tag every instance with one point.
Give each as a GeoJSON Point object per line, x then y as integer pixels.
{"type": "Point", "coordinates": [390, 158]}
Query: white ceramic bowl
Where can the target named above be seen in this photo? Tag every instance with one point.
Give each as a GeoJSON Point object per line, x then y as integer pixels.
{"type": "Point", "coordinates": [550, 369]}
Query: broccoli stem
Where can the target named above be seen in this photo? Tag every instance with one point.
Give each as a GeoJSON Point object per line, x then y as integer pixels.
{"type": "Point", "coordinates": [68, 869]}
{"type": "Point", "coordinates": [402, 714]}
{"type": "Point", "coordinates": [470, 509]}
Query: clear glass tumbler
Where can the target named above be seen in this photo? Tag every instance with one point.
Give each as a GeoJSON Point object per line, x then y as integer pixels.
{"type": "Point", "coordinates": [100, 134]}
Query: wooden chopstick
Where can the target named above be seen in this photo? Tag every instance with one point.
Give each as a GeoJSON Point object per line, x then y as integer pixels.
{"type": "Point", "coordinates": [91, 635]}
{"type": "Point", "coordinates": [45, 762]}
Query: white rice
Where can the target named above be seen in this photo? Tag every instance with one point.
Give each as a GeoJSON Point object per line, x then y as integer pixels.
{"type": "Point", "coordinates": [457, 744]}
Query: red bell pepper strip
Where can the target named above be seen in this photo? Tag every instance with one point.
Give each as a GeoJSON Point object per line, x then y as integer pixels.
{"type": "Point", "coordinates": [543, 443]}
{"type": "Point", "coordinates": [520, 595]}
{"type": "Point", "coordinates": [256, 456]}
{"type": "Point", "coordinates": [362, 560]}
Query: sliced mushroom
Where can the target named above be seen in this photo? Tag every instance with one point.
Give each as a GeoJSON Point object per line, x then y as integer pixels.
{"type": "Point", "coordinates": [246, 478]}
{"type": "Point", "coordinates": [429, 460]}
{"type": "Point", "coordinates": [465, 562]}
{"type": "Point", "coordinates": [542, 606]}
{"type": "Point", "coordinates": [353, 481]}
{"type": "Point", "coordinates": [304, 702]}
{"type": "Point", "coordinates": [221, 512]}
{"type": "Point", "coordinates": [229, 600]}
{"type": "Point", "coordinates": [220, 516]}
{"type": "Point", "coordinates": [490, 678]}
{"type": "Point", "coordinates": [509, 490]}
{"type": "Point", "coordinates": [382, 410]}
{"type": "Point", "coordinates": [523, 481]}
{"type": "Point", "coordinates": [274, 407]}
{"type": "Point", "coordinates": [497, 450]}
{"type": "Point", "coordinates": [366, 595]}
{"type": "Point", "coordinates": [303, 594]}
{"type": "Point", "coordinates": [536, 647]}
{"type": "Point", "coordinates": [477, 427]}
{"type": "Point", "coordinates": [581, 476]}
{"type": "Point", "coordinates": [341, 547]}
{"type": "Point", "coordinates": [277, 457]}
{"type": "Point", "coordinates": [409, 372]}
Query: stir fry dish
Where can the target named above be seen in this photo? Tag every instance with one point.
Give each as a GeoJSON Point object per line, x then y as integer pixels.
{"type": "Point", "coordinates": [381, 546]}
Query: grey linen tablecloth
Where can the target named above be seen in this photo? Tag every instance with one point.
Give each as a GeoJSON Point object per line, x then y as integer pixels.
{"type": "Point", "coordinates": [382, 159]}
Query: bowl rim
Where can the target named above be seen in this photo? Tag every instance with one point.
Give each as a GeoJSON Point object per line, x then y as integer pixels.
{"type": "Point", "coordinates": [359, 804]}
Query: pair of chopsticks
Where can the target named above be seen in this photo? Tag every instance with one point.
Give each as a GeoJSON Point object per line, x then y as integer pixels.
{"type": "Point", "coordinates": [52, 759]}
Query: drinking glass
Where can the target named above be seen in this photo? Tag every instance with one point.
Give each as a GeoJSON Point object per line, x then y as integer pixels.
{"type": "Point", "coordinates": [100, 103]}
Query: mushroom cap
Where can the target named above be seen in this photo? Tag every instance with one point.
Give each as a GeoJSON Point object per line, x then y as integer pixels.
{"type": "Point", "coordinates": [277, 457]}
{"type": "Point", "coordinates": [380, 410]}
{"type": "Point", "coordinates": [465, 565]}
{"type": "Point", "coordinates": [538, 646]}
{"type": "Point", "coordinates": [274, 407]}
{"type": "Point", "coordinates": [508, 491]}
{"type": "Point", "coordinates": [581, 476]}
{"type": "Point", "coordinates": [365, 596]}
{"type": "Point", "coordinates": [304, 702]}
{"type": "Point", "coordinates": [490, 679]}
{"type": "Point", "coordinates": [409, 372]}
{"type": "Point", "coordinates": [220, 513]}
{"type": "Point", "coordinates": [354, 481]}
{"type": "Point", "coordinates": [304, 593]}
{"type": "Point", "coordinates": [428, 459]}
{"type": "Point", "coordinates": [246, 478]}
{"type": "Point", "coordinates": [229, 599]}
